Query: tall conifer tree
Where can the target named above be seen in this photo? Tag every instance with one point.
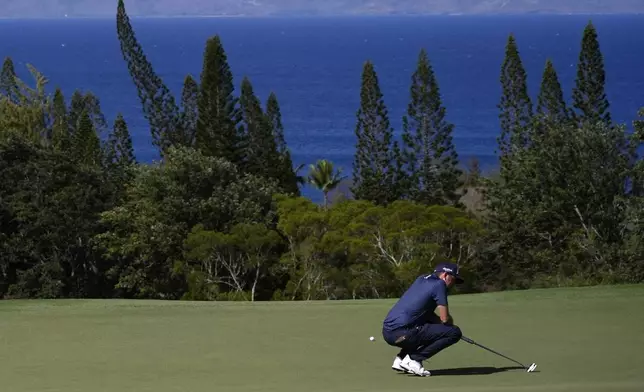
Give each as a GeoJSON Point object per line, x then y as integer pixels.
{"type": "Point", "coordinates": [288, 177]}
{"type": "Point", "coordinates": [261, 154]}
{"type": "Point", "coordinates": [375, 169]}
{"type": "Point", "coordinates": [119, 157]}
{"type": "Point", "coordinates": [158, 104]}
{"type": "Point", "coordinates": [76, 108]}
{"type": "Point", "coordinates": [515, 104]}
{"type": "Point", "coordinates": [8, 83]}
{"type": "Point", "coordinates": [638, 165]}
{"type": "Point", "coordinates": [60, 136]}
{"type": "Point", "coordinates": [430, 156]}
{"type": "Point", "coordinates": [86, 147]}
{"type": "Point", "coordinates": [189, 112]}
{"type": "Point", "coordinates": [120, 152]}
{"type": "Point", "coordinates": [89, 103]}
{"type": "Point", "coordinates": [589, 95]}
{"type": "Point", "coordinates": [551, 105]}
{"type": "Point", "coordinates": [218, 132]}
{"type": "Point", "coordinates": [93, 108]}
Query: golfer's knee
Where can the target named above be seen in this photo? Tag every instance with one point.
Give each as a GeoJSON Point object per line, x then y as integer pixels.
{"type": "Point", "coordinates": [455, 333]}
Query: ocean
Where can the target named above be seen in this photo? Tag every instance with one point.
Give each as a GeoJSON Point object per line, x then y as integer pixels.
{"type": "Point", "coordinates": [314, 66]}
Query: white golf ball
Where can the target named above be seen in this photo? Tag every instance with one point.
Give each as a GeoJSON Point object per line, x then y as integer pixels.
{"type": "Point", "coordinates": [372, 338]}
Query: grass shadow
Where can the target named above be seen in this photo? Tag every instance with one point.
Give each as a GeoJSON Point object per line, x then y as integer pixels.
{"type": "Point", "coordinates": [473, 371]}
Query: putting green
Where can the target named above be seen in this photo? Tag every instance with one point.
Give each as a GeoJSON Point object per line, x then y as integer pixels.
{"type": "Point", "coordinates": [586, 339]}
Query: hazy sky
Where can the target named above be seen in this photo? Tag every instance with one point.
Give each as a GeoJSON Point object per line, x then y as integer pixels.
{"type": "Point", "coordinates": [107, 8]}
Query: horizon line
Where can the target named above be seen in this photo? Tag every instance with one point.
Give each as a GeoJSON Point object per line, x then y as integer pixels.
{"type": "Point", "coordinates": [324, 15]}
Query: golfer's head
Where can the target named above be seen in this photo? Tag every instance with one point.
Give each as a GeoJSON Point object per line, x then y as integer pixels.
{"type": "Point", "coordinates": [449, 273]}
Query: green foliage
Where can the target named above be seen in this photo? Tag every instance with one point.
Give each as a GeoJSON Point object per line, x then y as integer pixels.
{"type": "Point", "coordinates": [49, 210]}
{"type": "Point", "coordinates": [119, 156]}
{"type": "Point", "coordinates": [589, 95]}
{"type": "Point", "coordinates": [638, 169]}
{"type": "Point", "coordinates": [406, 240]}
{"type": "Point", "coordinates": [158, 104]}
{"type": "Point", "coordinates": [77, 106]}
{"type": "Point", "coordinates": [86, 146]}
{"type": "Point", "coordinates": [430, 156]}
{"type": "Point", "coordinates": [357, 249]}
{"type": "Point", "coordinates": [60, 136]}
{"type": "Point", "coordinates": [147, 231]}
{"type": "Point", "coordinates": [274, 118]}
{"type": "Point", "coordinates": [551, 105]}
{"type": "Point", "coordinates": [324, 177]}
{"type": "Point", "coordinates": [515, 104]}
{"type": "Point", "coordinates": [287, 175]}
{"type": "Point", "coordinates": [377, 162]}
{"type": "Point", "coordinates": [92, 105]}
{"type": "Point", "coordinates": [563, 192]}
{"type": "Point", "coordinates": [235, 261]}
{"type": "Point", "coordinates": [261, 155]}
{"type": "Point", "coordinates": [28, 115]}
{"type": "Point", "coordinates": [219, 114]}
{"type": "Point", "coordinates": [189, 113]}
{"type": "Point", "coordinates": [216, 218]}
{"type": "Point", "coordinates": [119, 145]}
{"type": "Point", "coordinates": [8, 84]}
{"type": "Point", "coordinates": [86, 131]}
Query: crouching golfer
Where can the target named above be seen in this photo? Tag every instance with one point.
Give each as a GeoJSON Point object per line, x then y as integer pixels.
{"type": "Point", "coordinates": [413, 326]}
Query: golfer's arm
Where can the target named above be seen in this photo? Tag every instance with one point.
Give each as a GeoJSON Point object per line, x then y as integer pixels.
{"type": "Point", "coordinates": [434, 319]}
{"type": "Point", "coordinates": [444, 315]}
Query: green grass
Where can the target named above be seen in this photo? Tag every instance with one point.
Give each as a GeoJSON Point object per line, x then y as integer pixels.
{"type": "Point", "coordinates": [586, 339]}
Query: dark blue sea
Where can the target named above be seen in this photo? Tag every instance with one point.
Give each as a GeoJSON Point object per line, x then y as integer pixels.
{"type": "Point", "coordinates": [314, 67]}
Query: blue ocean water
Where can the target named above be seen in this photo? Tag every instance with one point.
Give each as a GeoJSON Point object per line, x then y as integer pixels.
{"type": "Point", "coordinates": [314, 67]}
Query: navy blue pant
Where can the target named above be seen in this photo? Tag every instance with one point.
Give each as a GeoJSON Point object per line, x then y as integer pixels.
{"type": "Point", "coordinates": [424, 341]}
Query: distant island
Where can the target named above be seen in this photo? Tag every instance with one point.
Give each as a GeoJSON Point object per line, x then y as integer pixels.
{"type": "Point", "coordinates": [255, 8]}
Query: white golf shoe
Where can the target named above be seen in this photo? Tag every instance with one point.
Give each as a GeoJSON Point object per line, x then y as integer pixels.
{"type": "Point", "coordinates": [414, 367]}
{"type": "Point", "coordinates": [397, 365]}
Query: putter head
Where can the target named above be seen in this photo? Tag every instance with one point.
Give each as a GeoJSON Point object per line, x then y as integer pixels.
{"type": "Point", "coordinates": [532, 367]}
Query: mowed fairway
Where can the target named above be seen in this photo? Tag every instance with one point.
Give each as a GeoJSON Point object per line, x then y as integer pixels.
{"type": "Point", "coordinates": [587, 339]}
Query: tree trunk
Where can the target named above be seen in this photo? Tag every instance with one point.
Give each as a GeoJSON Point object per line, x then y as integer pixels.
{"type": "Point", "coordinates": [252, 291]}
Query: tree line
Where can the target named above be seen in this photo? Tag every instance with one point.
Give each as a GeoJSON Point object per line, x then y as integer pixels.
{"type": "Point", "coordinates": [220, 215]}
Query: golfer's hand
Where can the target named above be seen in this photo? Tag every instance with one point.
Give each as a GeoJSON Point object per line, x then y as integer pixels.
{"type": "Point", "coordinates": [450, 320]}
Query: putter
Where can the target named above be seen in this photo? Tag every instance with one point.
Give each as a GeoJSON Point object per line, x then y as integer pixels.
{"type": "Point", "coordinates": [529, 369]}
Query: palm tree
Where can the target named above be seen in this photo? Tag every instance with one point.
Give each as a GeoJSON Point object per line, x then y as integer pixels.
{"type": "Point", "coordinates": [323, 176]}
{"type": "Point", "coordinates": [301, 180]}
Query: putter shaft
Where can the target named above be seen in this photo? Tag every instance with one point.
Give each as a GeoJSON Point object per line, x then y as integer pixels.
{"type": "Point", "coordinates": [470, 341]}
